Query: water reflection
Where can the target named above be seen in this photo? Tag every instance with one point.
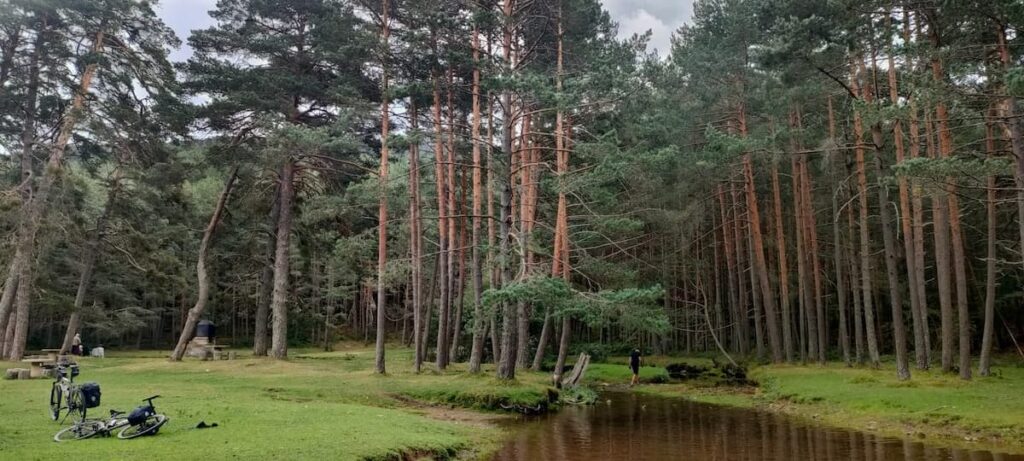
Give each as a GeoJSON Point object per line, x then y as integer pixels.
{"type": "Point", "coordinates": [626, 426]}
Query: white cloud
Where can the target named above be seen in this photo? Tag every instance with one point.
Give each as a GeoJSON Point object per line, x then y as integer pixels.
{"type": "Point", "coordinates": [184, 16]}
{"type": "Point", "coordinates": [661, 17]}
{"type": "Point", "coordinates": [639, 22]}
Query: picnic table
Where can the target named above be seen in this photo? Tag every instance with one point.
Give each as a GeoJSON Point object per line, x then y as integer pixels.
{"type": "Point", "coordinates": [216, 350]}
{"type": "Point", "coordinates": [38, 364]}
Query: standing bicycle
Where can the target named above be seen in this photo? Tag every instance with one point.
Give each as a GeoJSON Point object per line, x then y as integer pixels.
{"type": "Point", "coordinates": [74, 399]}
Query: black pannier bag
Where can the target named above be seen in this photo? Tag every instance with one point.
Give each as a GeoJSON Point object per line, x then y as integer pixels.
{"type": "Point", "coordinates": [91, 395]}
{"type": "Point", "coordinates": [138, 415]}
{"type": "Point", "coordinates": [70, 371]}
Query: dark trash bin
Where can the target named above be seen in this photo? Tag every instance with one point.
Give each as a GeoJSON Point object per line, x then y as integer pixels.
{"type": "Point", "coordinates": [206, 329]}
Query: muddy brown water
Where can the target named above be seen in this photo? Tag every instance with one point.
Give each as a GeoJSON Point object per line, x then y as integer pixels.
{"type": "Point", "coordinates": [628, 426]}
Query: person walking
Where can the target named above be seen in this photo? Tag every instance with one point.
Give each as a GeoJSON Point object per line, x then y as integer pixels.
{"type": "Point", "coordinates": [634, 364]}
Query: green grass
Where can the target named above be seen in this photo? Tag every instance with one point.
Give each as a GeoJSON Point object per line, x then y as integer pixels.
{"type": "Point", "coordinates": [317, 405]}
{"type": "Point", "coordinates": [989, 409]}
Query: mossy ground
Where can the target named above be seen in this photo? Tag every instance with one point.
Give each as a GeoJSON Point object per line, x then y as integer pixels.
{"type": "Point", "coordinates": [316, 405]}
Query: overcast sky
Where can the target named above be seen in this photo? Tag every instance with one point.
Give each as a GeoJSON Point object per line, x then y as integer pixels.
{"type": "Point", "coordinates": [662, 17]}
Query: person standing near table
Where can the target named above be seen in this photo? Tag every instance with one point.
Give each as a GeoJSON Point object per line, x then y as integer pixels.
{"type": "Point", "coordinates": [76, 344]}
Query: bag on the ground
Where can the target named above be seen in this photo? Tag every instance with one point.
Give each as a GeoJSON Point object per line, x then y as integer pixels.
{"type": "Point", "coordinates": [91, 395]}
{"type": "Point", "coordinates": [138, 415]}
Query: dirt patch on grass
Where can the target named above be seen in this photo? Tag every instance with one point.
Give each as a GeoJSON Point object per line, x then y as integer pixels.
{"type": "Point", "coordinates": [452, 414]}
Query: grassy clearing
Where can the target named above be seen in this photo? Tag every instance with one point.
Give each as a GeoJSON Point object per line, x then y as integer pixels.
{"type": "Point", "coordinates": [932, 405]}
{"type": "Point", "coordinates": [326, 405]}
{"type": "Point", "coordinates": [987, 412]}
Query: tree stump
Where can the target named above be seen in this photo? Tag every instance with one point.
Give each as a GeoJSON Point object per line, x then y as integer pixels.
{"type": "Point", "coordinates": [578, 370]}
{"type": "Point", "coordinates": [24, 373]}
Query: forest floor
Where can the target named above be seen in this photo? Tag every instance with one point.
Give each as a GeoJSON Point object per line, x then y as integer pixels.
{"type": "Point", "coordinates": [327, 405]}
{"type": "Point", "coordinates": [939, 409]}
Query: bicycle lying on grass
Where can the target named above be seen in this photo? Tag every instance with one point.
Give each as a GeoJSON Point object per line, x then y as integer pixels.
{"type": "Point", "coordinates": [143, 420]}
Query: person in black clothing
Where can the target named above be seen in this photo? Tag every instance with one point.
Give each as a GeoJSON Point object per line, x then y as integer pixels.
{"type": "Point", "coordinates": [634, 364]}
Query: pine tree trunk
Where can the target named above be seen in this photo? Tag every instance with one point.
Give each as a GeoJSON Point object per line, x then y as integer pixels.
{"type": "Point", "coordinates": [761, 266]}
{"type": "Point", "coordinates": [858, 305]}
{"type": "Point", "coordinates": [442, 225]}
{"type": "Point", "coordinates": [952, 214]}
{"type": "Point", "coordinates": [477, 351]}
{"type": "Point", "coordinates": [453, 347]}
{"type": "Point", "coordinates": [889, 240]}
{"type": "Point", "coordinates": [260, 345]}
{"type": "Point", "coordinates": [730, 262]}
{"type": "Point", "coordinates": [188, 329]}
{"type": "Point", "coordinates": [837, 248]}
{"type": "Point", "coordinates": [780, 244]}
{"type": "Point", "coordinates": [808, 335]}
{"type": "Point", "coordinates": [525, 158]}
{"type": "Point", "coordinates": [743, 313]}
{"type": "Point", "coordinates": [542, 342]}
{"type": "Point", "coordinates": [920, 354]}
{"type": "Point", "coordinates": [865, 237]}
{"type": "Point", "coordinates": [35, 209]}
{"type": "Point", "coordinates": [987, 336]}
{"type": "Point", "coordinates": [561, 264]}
{"type": "Point", "coordinates": [279, 297]}
{"type": "Point", "coordinates": [510, 319]}
{"type": "Point", "coordinates": [755, 301]}
{"type": "Point", "coordinates": [816, 316]}
{"type": "Point", "coordinates": [917, 221]}
{"type": "Point", "coordinates": [494, 276]}
{"type": "Point", "coordinates": [1017, 144]}
{"type": "Point", "coordinates": [28, 138]}
{"type": "Point", "coordinates": [919, 281]}
{"type": "Point", "coordinates": [940, 231]}
{"type": "Point", "coordinates": [7, 301]}
{"type": "Point", "coordinates": [444, 334]}
{"type": "Point", "coordinates": [382, 213]}
{"type": "Point", "coordinates": [416, 242]}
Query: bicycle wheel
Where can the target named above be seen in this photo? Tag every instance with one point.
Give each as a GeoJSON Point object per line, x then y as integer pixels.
{"type": "Point", "coordinates": [79, 431]}
{"type": "Point", "coordinates": [148, 427]}
{"type": "Point", "coordinates": [76, 405]}
{"type": "Point", "coordinates": [55, 398]}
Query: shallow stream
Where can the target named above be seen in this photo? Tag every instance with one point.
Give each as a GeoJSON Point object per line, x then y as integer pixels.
{"type": "Point", "coordinates": [629, 426]}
